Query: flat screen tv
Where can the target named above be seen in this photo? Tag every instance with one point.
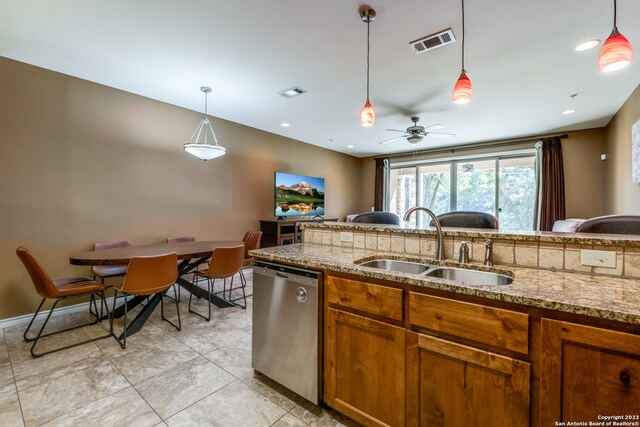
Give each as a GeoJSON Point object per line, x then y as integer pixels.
{"type": "Point", "coordinates": [298, 195]}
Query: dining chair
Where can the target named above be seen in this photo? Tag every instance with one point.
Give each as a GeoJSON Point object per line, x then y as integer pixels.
{"type": "Point", "coordinates": [59, 290]}
{"type": "Point", "coordinates": [377, 217]}
{"type": "Point", "coordinates": [146, 276]}
{"type": "Point", "coordinates": [224, 264]}
{"type": "Point", "coordinates": [181, 239]}
{"type": "Point", "coordinates": [251, 241]}
{"type": "Point", "coordinates": [106, 271]}
{"type": "Point", "coordinates": [611, 224]}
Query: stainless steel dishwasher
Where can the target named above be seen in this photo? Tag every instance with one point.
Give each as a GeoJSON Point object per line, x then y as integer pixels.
{"type": "Point", "coordinates": [286, 338]}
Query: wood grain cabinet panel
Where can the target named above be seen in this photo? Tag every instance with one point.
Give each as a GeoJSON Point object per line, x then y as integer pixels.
{"type": "Point", "coordinates": [364, 368]}
{"type": "Point", "coordinates": [587, 372]}
{"type": "Point", "coordinates": [494, 326]}
{"type": "Point", "coordinates": [452, 385]}
{"type": "Point", "coordinates": [382, 301]}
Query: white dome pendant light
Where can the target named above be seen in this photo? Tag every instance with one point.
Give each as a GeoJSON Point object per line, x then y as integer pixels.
{"type": "Point", "coordinates": [198, 144]}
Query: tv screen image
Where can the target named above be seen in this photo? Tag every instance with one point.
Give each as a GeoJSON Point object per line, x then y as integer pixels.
{"type": "Point", "coordinates": [297, 195]}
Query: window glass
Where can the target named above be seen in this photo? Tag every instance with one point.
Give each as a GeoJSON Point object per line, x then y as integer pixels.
{"type": "Point", "coordinates": [435, 190]}
{"type": "Point", "coordinates": [517, 193]}
{"type": "Point", "coordinates": [476, 186]}
{"type": "Point", "coordinates": [402, 191]}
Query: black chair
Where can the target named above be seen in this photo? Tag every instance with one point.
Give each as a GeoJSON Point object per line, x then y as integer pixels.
{"type": "Point", "coordinates": [377, 217]}
{"type": "Point", "coordinates": [467, 219]}
{"type": "Point", "coordinates": [612, 224]}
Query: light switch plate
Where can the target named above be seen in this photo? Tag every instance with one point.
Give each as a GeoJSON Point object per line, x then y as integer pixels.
{"type": "Point", "coordinates": [346, 237]}
{"type": "Point", "coordinates": [598, 258]}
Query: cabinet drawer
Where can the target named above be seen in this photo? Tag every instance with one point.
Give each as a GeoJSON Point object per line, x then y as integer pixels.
{"type": "Point", "coordinates": [493, 326]}
{"type": "Point", "coordinates": [374, 299]}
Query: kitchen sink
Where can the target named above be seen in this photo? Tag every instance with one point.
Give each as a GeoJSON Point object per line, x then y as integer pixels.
{"type": "Point", "coordinates": [472, 277]}
{"type": "Point", "coordinates": [398, 266]}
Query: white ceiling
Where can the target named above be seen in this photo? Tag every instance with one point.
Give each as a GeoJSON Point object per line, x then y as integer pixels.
{"type": "Point", "coordinates": [520, 60]}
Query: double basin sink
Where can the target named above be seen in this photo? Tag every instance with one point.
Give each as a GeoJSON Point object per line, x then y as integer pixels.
{"type": "Point", "coordinates": [469, 277]}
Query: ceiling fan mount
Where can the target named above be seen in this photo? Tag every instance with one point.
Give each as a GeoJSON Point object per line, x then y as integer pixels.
{"type": "Point", "coordinates": [414, 134]}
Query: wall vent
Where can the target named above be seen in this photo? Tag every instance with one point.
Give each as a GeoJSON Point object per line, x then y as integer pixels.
{"type": "Point", "coordinates": [433, 41]}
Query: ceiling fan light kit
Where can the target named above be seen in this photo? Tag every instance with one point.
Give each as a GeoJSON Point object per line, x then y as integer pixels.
{"type": "Point", "coordinates": [616, 51]}
{"type": "Point", "coordinates": [368, 114]}
{"type": "Point", "coordinates": [462, 91]}
{"type": "Point", "coordinates": [198, 144]}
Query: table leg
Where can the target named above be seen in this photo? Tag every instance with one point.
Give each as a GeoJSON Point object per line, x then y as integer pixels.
{"type": "Point", "coordinates": [203, 293]}
{"type": "Point", "coordinates": [143, 315]}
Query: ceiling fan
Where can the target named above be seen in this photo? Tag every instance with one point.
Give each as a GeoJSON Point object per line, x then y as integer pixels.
{"type": "Point", "coordinates": [414, 134]}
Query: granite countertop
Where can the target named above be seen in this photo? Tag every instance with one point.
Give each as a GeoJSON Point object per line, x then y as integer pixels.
{"type": "Point", "coordinates": [593, 295]}
{"type": "Point", "coordinates": [535, 236]}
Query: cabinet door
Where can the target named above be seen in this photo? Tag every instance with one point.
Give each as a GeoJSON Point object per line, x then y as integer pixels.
{"type": "Point", "coordinates": [586, 372]}
{"type": "Point", "coordinates": [450, 384]}
{"type": "Point", "coordinates": [364, 368]}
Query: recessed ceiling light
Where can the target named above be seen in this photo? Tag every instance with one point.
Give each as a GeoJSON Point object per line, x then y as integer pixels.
{"type": "Point", "coordinates": [350, 146]}
{"type": "Point", "coordinates": [285, 124]}
{"type": "Point", "coordinates": [569, 111]}
{"type": "Point", "coordinates": [590, 44]}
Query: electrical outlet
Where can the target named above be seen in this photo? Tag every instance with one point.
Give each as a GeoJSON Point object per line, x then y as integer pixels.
{"type": "Point", "coordinates": [346, 237]}
{"type": "Point", "coordinates": [598, 258]}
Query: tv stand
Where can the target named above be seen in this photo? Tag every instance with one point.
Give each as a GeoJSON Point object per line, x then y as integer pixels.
{"type": "Point", "coordinates": [286, 231]}
{"type": "Point", "coordinates": [318, 217]}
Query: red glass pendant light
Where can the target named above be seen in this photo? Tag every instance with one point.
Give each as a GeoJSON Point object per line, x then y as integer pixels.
{"type": "Point", "coordinates": [616, 51]}
{"type": "Point", "coordinates": [463, 90]}
{"type": "Point", "coordinates": [368, 114]}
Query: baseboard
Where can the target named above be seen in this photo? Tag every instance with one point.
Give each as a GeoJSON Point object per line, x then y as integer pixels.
{"type": "Point", "coordinates": [13, 321]}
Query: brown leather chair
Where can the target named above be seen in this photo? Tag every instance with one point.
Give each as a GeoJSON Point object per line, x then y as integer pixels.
{"type": "Point", "coordinates": [377, 217]}
{"type": "Point", "coordinates": [148, 276]}
{"type": "Point", "coordinates": [224, 264]}
{"type": "Point", "coordinates": [467, 219]}
{"type": "Point", "coordinates": [59, 290]}
{"type": "Point", "coordinates": [106, 271]}
{"type": "Point", "coordinates": [612, 224]}
{"type": "Point", "coordinates": [251, 241]}
{"type": "Point", "coordinates": [181, 239]}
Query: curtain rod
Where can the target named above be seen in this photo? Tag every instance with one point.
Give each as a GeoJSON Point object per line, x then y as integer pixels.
{"type": "Point", "coordinates": [473, 146]}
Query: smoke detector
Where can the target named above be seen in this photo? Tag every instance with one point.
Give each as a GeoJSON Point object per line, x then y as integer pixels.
{"type": "Point", "coordinates": [433, 41]}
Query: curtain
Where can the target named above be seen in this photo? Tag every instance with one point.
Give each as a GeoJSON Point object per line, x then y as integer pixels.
{"type": "Point", "coordinates": [552, 206]}
{"type": "Point", "coordinates": [537, 166]}
{"type": "Point", "coordinates": [382, 177]}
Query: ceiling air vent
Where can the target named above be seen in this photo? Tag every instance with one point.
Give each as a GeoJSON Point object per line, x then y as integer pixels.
{"type": "Point", "coordinates": [292, 91]}
{"type": "Point", "coordinates": [433, 41]}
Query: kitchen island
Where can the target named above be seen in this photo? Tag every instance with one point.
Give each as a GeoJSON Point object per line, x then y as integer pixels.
{"type": "Point", "coordinates": [404, 349]}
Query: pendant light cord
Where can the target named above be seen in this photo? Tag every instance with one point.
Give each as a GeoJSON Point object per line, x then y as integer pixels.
{"type": "Point", "coordinates": [615, 13]}
{"type": "Point", "coordinates": [205, 104]}
{"type": "Point", "coordinates": [368, 23]}
{"type": "Point", "coordinates": [463, 35]}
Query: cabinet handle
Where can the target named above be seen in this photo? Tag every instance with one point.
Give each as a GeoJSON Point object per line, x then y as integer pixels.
{"type": "Point", "coordinates": [625, 378]}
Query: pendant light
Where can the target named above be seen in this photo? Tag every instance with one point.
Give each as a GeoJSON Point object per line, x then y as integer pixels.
{"type": "Point", "coordinates": [368, 114]}
{"type": "Point", "coordinates": [198, 144]}
{"type": "Point", "coordinates": [616, 51]}
{"type": "Point", "coordinates": [462, 90]}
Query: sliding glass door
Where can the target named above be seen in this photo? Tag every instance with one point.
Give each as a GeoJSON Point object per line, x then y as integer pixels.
{"type": "Point", "coordinates": [503, 186]}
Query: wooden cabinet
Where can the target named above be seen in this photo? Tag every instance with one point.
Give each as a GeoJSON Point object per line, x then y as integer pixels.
{"type": "Point", "coordinates": [587, 372]}
{"type": "Point", "coordinates": [364, 368]}
{"type": "Point", "coordinates": [364, 364]}
{"type": "Point", "coordinates": [450, 384]}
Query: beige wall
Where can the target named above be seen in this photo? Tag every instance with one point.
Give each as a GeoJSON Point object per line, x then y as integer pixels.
{"type": "Point", "coordinates": [622, 195]}
{"type": "Point", "coordinates": [584, 171]}
{"type": "Point", "coordinates": [81, 162]}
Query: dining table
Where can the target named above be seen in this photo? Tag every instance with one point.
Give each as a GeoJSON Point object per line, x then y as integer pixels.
{"type": "Point", "coordinates": [190, 256]}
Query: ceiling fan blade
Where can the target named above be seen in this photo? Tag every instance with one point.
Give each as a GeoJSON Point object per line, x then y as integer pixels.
{"type": "Point", "coordinates": [442, 135]}
{"type": "Point", "coordinates": [392, 139]}
{"type": "Point", "coordinates": [396, 130]}
{"type": "Point", "coordinates": [434, 127]}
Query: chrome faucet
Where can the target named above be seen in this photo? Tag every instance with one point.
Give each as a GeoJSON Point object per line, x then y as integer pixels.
{"type": "Point", "coordinates": [488, 252]}
{"type": "Point", "coordinates": [439, 245]}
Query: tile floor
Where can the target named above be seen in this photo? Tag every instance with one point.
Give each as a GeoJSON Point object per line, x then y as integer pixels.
{"type": "Point", "coordinates": [200, 376]}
